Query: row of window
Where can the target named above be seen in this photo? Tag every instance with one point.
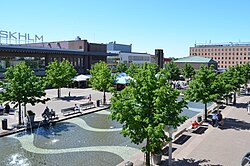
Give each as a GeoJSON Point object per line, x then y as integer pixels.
{"type": "Point", "coordinates": [230, 58]}
{"type": "Point", "coordinates": [237, 53]}
{"type": "Point", "coordinates": [221, 49]}
{"type": "Point", "coordinates": [229, 62]}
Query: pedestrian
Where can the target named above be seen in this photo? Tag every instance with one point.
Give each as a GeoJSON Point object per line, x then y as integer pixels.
{"type": "Point", "coordinates": [220, 119]}
{"type": "Point", "coordinates": [248, 108]}
{"type": "Point", "coordinates": [76, 108]}
{"type": "Point", "coordinates": [89, 97]}
{"type": "Point", "coordinates": [214, 119]}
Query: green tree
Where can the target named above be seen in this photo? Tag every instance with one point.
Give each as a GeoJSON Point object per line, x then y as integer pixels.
{"type": "Point", "coordinates": [60, 74]}
{"type": "Point", "coordinates": [101, 78]}
{"type": "Point", "coordinates": [233, 79]}
{"type": "Point", "coordinates": [132, 70]}
{"type": "Point", "coordinates": [23, 87]}
{"type": "Point", "coordinates": [188, 71]}
{"type": "Point", "coordinates": [145, 107]}
{"type": "Point", "coordinates": [245, 72]}
{"type": "Point", "coordinates": [171, 71]}
{"type": "Point", "coordinates": [121, 67]}
{"type": "Point", "coordinates": [204, 87]}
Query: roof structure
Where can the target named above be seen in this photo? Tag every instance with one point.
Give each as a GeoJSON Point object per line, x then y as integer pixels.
{"type": "Point", "coordinates": [197, 59]}
{"type": "Point", "coordinates": [25, 49]}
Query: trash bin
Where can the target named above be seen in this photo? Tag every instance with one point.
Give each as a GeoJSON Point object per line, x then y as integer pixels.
{"type": "Point", "coordinates": [4, 124]}
{"type": "Point", "coordinates": [129, 163]}
{"type": "Point", "coordinates": [199, 119]}
{"type": "Point", "coordinates": [98, 103]}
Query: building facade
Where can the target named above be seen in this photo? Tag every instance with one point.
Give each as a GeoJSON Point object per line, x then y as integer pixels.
{"type": "Point", "coordinates": [113, 46]}
{"type": "Point", "coordinates": [226, 55]}
{"type": "Point", "coordinates": [79, 53]}
{"type": "Point", "coordinates": [196, 62]}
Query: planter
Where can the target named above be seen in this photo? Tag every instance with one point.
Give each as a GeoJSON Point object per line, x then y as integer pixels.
{"type": "Point", "coordinates": [157, 158]}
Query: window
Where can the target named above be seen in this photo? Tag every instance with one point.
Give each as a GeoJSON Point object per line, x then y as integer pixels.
{"type": "Point", "coordinates": [229, 53]}
{"type": "Point", "coordinates": [237, 49]}
{"type": "Point", "coordinates": [241, 53]}
{"type": "Point", "coordinates": [218, 61]}
{"type": "Point", "coordinates": [218, 53]}
{"type": "Point", "coordinates": [208, 53]}
{"type": "Point", "coordinates": [232, 57]}
{"type": "Point", "coordinates": [218, 49]}
{"type": "Point", "coordinates": [237, 58]}
{"type": "Point", "coordinates": [215, 53]}
{"type": "Point", "coordinates": [218, 57]}
{"type": "Point", "coordinates": [225, 66]}
{"type": "Point", "coordinates": [229, 57]}
{"type": "Point", "coordinates": [222, 49]}
{"type": "Point", "coordinates": [208, 50]}
{"type": "Point", "coordinates": [222, 57]}
{"type": "Point", "coordinates": [233, 62]}
{"type": "Point", "coordinates": [240, 49]}
{"type": "Point", "coordinates": [237, 53]}
{"type": "Point", "coordinates": [215, 58]}
{"type": "Point", "coordinates": [221, 62]}
{"type": "Point", "coordinates": [229, 49]}
{"type": "Point", "coordinates": [233, 49]}
{"type": "Point", "coordinates": [233, 53]}
{"type": "Point", "coordinates": [240, 62]}
{"type": "Point", "coordinates": [221, 53]}
{"type": "Point", "coordinates": [245, 53]}
{"type": "Point", "coordinates": [244, 57]}
{"type": "Point", "coordinates": [225, 53]}
{"type": "Point", "coordinates": [225, 49]}
{"type": "Point", "coordinates": [221, 66]}
{"type": "Point", "coordinates": [245, 49]}
{"type": "Point", "coordinates": [248, 49]}
{"type": "Point", "coordinates": [225, 57]}
{"type": "Point", "coordinates": [229, 62]}
{"type": "Point", "coordinates": [248, 53]}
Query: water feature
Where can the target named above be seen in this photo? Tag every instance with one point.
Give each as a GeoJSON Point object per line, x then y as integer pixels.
{"type": "Point", "coordinates": [88, 140]}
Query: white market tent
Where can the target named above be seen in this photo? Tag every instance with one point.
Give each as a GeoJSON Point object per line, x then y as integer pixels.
{"type": "Point", "coordinates": [81, 78]}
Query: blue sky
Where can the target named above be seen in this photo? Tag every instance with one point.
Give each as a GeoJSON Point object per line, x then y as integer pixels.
{"type": "Point", "coordinates": [172, 25]}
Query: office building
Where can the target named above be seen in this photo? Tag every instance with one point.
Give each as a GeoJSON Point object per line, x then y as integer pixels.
{"type": "Point", "coordinates": [226, 54]}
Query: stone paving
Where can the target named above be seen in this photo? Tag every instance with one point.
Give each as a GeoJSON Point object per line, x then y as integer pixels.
{"type": "Point", "coordinates": [77, 96]}
{"type": "Point", "coordinates": [217, 146]}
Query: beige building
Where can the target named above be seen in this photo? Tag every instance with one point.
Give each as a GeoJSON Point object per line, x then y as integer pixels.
{"type": "Point", "coordinates": [225, 55]}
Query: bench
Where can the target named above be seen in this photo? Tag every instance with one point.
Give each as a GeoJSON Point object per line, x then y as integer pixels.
{"type": "Point", "coordinates": [69, 111]}
{"type": "Point", "coordinates": [86, 106]}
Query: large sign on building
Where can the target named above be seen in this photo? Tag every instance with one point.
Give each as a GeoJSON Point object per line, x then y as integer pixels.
{"type": "Point", "coordinates": [8, 37]}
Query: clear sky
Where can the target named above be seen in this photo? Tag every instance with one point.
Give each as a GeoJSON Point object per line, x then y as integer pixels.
{"type": "Point", "coordinates": [172, 25]}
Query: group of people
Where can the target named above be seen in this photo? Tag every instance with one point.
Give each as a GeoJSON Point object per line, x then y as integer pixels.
{"type": "Point", "coordinates": [48, 114]}
{"type": "Point", "coordinates": [217, 119]}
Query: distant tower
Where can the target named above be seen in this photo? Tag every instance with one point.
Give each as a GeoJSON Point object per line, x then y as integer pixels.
{"type": "Point", "coordinates": [159, 57]}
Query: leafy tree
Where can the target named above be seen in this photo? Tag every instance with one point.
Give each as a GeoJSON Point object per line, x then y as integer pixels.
{"type": "Point", "coordinates": [132, 70]}
{"type": "Point", "coordinates": [101, 78]}
{"type": "Point", "coordinates": [172, 71]}
{"type": "Point", "coordinates": [245, 72]}
{"type": "Point", "coordinates": [188, 71]}
{"type": "Point", "coordinates": [145, 107]}
{"type": "Point", "coordinates": [23, 87]}
{"type": "Point", "coordinates": [121, 67]}
{"type": "Point", "coordinates": [233, 79]}
{"type": "Point", "coordinates": [204, 87]}
{"type": "Point", "coordinates": [60, 74]}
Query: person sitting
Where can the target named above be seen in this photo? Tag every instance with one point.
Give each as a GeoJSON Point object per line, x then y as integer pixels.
{"type": "Point", "coordinates": [46, 113]}
{"type": "Point", "coordinates": [7, 108]}
{"type": "Point", "coordinates": [195, 124]}
{"type": "Point", "coordinates": [76, 108]}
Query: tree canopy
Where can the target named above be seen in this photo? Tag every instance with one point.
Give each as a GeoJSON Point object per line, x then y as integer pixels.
{"type": "Point", "coordinates": [204, 87]}
{"type": "Point", "coordinates": [188, 71]}
{"type": "Point", "coordinates": [60, 74]}
{"type": "Point", "coordinates": [172, 71]}
{"type": "Point", "coordinates": [132, 70]}
{"type": "Point", "coordinates": [101, 78]}
{"type": "Point", "coordinates": [145, 107]}
{"type": "Point", "coordinates": [121, 67]}
{"type": "Point", "coordinates": [23, 86]}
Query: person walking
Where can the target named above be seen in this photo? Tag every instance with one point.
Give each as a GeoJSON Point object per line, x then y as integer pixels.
{"type": "Point", "coordinates": [248, 108]}
{"type": "Point", "coordinates": [214, 120]}
{"type": "Point", "coordinates": [220, 119]}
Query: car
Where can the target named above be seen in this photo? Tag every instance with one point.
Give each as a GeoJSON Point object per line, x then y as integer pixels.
{"type": "Point", "coordinates": [246, 160]}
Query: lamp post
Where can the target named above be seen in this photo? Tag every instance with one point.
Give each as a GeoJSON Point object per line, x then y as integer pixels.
{"type": "Point", "coordinates": [170, 129]}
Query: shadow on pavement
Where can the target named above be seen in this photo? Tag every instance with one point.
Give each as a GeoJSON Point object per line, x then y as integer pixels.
{"type": "Point", "coordinates": [189, 162]}
{"type": "Point", "coordinates": [68, 98]}
{"type": "Point", "coordinates": [230, 123]}
{"type": "Point", "coordinates": [240, 105]}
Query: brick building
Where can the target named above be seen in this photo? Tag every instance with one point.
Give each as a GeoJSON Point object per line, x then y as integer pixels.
{"type": "Point", "coordinates": [226, 55]}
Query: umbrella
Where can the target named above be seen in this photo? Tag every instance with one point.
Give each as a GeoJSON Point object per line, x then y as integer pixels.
{"type": "Point", "coordinates": [123, 80]}
{"type": "Point", "coordinates": [81, 78]}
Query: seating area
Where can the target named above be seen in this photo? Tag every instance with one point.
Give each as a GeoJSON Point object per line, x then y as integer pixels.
{"type": "Point", "coordinates": [70, 111]}
{"type": "Point", "coordinates": [86, 106]}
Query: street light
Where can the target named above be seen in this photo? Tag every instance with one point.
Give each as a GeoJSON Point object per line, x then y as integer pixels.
{"type": "Point", "coordinates": [170, 129]}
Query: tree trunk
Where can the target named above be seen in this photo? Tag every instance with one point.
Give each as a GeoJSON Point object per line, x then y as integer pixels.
{"type": "Point", "coordinates": [104, 97]}
{"type": "Point", "coordinates": [205, 112]}
{"type": "Point", "coordinates": [226, 100]}
{"type": "Point", "coordinates": [19, 114]}
{"type": "Point", "coordinates": [147, 155]}
{"type": "Point", "coordinates": [234, 102]}
{"type": "Point", "coordinates": [58, 92]}
{"type": "Point", "coordinates": [25, 112]}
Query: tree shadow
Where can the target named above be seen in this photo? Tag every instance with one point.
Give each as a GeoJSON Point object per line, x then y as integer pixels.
{"type": "Point", "coordinates": [189, 162]}
{"type": "Point", "coordinates": [240, 105]}
{"type": "Point", "coordinates": [69, 98]}
{"type": "Point", "coordinates": [231, 123]}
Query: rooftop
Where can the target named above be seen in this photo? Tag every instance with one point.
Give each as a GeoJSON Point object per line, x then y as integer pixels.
{"type": "Point", "coordinates": [194, 59]}
{"type": "Point", "coordinates": [229, 44]}
{"type": "Point", "coordinates": [29, 49]}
